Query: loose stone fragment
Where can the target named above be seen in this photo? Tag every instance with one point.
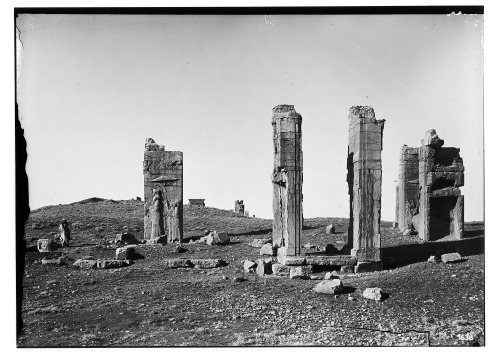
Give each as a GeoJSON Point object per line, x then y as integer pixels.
{"type": "Point", "coordinates": [176, 263]}
{"type": "Point", "coordinates": [454, 257]}
{"type": "Point", "coordinates": [249, 266]}
{"type": "Point", "coordinates": [329, 287]}
{"type": "Point", "coordinates": [330, 229]}
{"type": "Point", "coordinates": [263, 268]}
{"type": "Point", "coordinates": [109, 264]}
{"type": "Point", "coordinates": [126, 238]}
{"type": "Point", "coordinates": [331, 275]}
{"type": "Point", "coordinates": [433, 259]}
{"type": "Point", "coordinates": [46, 245]}
{"type": "Point", "coordinates": [373, 293]}
{"type": "Point", "coordinates": [268, 250]}
{"type": "Point", "coordinates": [301, 272]}
{"type": "Point", "coordinates": [261, 242]}
{"type": "Point", "coordinates": [217, 238]}
{"type": "Point", "coordinates": [124, 253]}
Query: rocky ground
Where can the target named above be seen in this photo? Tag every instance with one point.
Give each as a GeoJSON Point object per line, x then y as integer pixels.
{"type": "Point", "coordinates": [148, 304]}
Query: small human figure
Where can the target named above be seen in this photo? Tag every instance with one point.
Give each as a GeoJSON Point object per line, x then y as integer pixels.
{"type": "Point", "coordinates": [173, 221]}
{"type": "Point", "coordinates": [64, 233]}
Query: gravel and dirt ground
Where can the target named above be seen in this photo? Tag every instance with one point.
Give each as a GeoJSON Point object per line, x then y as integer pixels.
{"type": "Point", "coordinates": [147, 304]}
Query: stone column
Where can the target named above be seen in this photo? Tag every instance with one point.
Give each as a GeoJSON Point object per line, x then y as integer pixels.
{"type": "Point", "coordinates": [395, 224]}
{"type": "Point", "coordinates": [364, 177]}
{"type": "Point", "coordinates": [408, 186]}
{"type": "Point", "coordinates": [287, 180]}
{"type": "Point", "coordinates": [163, 192]}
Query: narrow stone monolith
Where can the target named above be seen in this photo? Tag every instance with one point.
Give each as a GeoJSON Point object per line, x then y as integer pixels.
{"type": "Point", "coordinates": [287, 180]}
{"type": "Point", "coordinates": [364, 177]}
{"type": "Point", "coordinates": [408, 187]}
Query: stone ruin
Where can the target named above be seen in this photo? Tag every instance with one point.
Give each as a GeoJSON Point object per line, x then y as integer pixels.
{"type": "Point", "coordinates": [439, 211]}
{"type": "Point", "coordinates": [364, 178]}
{"type": "Point", "coordinates": [239, 207]}
{"type": "Point", "coordinates": [287, 180]}
{"type": "Point", "coordinates": [408, 188]}
{"type": "Point", "coordinates": [162, 193]}
{"type": "Point", "coordinates": [197, 202]}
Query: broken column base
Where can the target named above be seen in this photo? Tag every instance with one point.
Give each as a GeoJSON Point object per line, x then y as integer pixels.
{"type": "Point", "coordinates": [347, 263]}
{"type": "Point", "coordinates": [368, 255]}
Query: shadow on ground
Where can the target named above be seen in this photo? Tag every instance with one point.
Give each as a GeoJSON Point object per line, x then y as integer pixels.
{"type": "Point", "coordinates": [472, 244]}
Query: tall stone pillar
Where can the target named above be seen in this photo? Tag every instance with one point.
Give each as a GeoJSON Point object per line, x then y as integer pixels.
{"type": "Point", "coordinates": [395, 224]}
{"type": "Point", "coordinates": [364, 177]}
{"type": "Point", "coordinates": [287, 180]}
{"type": "Point", "coordinates": [163, 214]}
{"type": "Point", "coordinates": [408, 187]}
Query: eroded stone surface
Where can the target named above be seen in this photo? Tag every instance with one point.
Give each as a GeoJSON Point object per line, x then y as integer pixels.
{"type": "Point", "coordinates": [368, 266]}
{"type": "Point", "coordinates": [408, 187]}
{"type": "Point", "coordinates": [364, 177]}
{"type": "Point", "coordinates": [239, 207]}
{"type": "Point", "coordinates": [337, 260]}
{"type": "Point", "coordinates": [162, 192]}
{"type": "Point", "coordinates": [453, 257]}
{"type": "Point", "coordinates": [47, 245]}
{"type": "Point", "coordinates": [287, 179]}
{"type": "Point", "coordinates": [301, 272]}
{"type": "Point", "coordinates": [373, 293]}
{"type": "Point", "coordinates": [207, 263]}
{"type": "Point", "coordinates": [176, 263]}
{"type": "Point", "coordinates": [329, 287]}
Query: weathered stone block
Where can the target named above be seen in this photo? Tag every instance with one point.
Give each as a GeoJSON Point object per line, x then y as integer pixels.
{"type": "Point", "coordinates": [249, 266]}
{"type": "Point", "coordinates": [176, 263]}
{"type": "Point", "coordinates": [127, 238]}
{"type": "Point", "coordinates": [268, 250]}
{"type": "Point", "coordinates": [368, 266]}
{"type": "Point", "coordinates": [280, 270]}
{"type": "Point", "coordinates": [47, 245]}
{"type": "Point", "coordinates": [337, 260]}
{"type": "Point", "coordinates": [450, 258]}
{"type": "Point", "coordinates": [330, 229]}
{"type": "Point", "coordinates": [207, 263]}
{"type": "Point", "coordinates": [124, 253]}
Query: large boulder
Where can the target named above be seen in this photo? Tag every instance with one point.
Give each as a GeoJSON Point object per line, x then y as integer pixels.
{"type": "Point", "coordinates": [126, 238]}
{"type": "Point", "coordinates": [329, 287]}
{"type": "Point", "coordinates": [124, 253]}
{"type": "Point", "coordinates": [373, 293]}
{"type": "Point", "coordinates": [454, 257]}
{"type": "Point", "coordinates": [268, 249]}
{"type": "Point", "coordinates": [301, 272]}
{"type": "Point", "coordinates": [249, 266]}
{"type": "Point", "coordinates": [47, 245]}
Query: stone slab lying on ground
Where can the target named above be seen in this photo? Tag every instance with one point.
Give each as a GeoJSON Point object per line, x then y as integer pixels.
{"type": "Point", "coordinates": [301, 272]}
{"type": "Point", "coordinates": [207, 263]}
{"type": "Point", "coordinates": [176, 263]}
{"type": "Point", "coordinates": [336, 260]}
{"type": "Point", "coordinates": [453, 257]}
{"type": "Point", "coordinates": [368, 266]}
{"type": "Point", "coordinates": [329, 287]}
{"type": "Point", "coordinates": [58, 261]}
{"type": "Point", "coordinates": [373, 293]}
{"type": "Point", "coordinates": [261, 242]}
{"type": "Point", "coordinates": [103, 264]}
{"type": "Point", "coordinates": [292, 260]}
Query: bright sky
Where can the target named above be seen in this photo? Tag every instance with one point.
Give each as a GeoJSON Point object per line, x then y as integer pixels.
{"type": "Point", "coordinates": [92, 88]}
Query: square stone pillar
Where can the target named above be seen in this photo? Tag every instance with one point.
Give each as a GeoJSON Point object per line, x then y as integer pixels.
{"type": "Point", "coordinates": [364, 177]}
{"type": "Point", "coordinates": [163, 206]}
{"type": "Point", "coordinates": [287, 180]}
{"type": "Point", "coordinates": [408, 187]}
